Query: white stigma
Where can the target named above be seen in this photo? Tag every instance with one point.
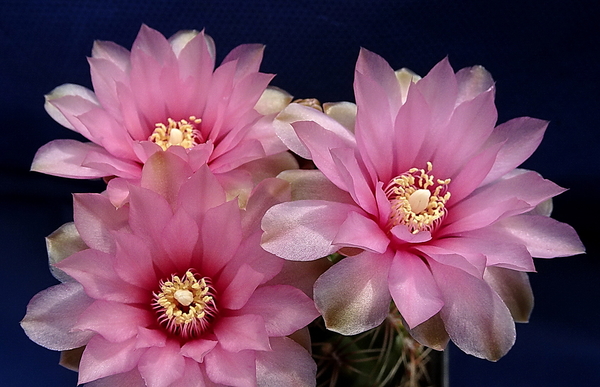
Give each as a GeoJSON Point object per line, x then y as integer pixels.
{"type": "Point", "coordinates": [419, 200]}
{"type": "Point", "coordinates": [175, 137]}
{"type": "Point", "coordinates": [184, 297]}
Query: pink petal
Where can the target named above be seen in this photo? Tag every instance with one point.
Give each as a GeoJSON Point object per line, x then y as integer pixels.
{"type": "Point", "coordinates": [263, 130]}
{"type": "Point", "coordinates": [95, 219]}
{"type": "Point", "coordinates": [148, 214]}
{"type": "Point", "coordinates": [193, 375]}
{"type": "Point", "coordinates": [199, 154]}
{"type": "Point", "coordinates": [237, 184]}
{"type": "Point", "coordinates": [301, 275]}
{"type": "Point", "coordinates": [384, 206]}
{"type": "Point", "coordinates": [180, 236]}
{"type": "Point", "coordinates": [353, 295]}
{"type": "Point", "coordinates": [201, 192]}
{"type": "Point", "coordinates": [411, 147]}
{"type": "Point", "coordinates": [267, 193]}
{"type": "Point", "coordinates": [230, 114]}
{"type": "Point", "coordinates": [472, 81]}
{"type": "Point", "coordinates": [520, 137]}
{"type": "Point", "coordinates": [240, 112]}
{"type": "Point", "coordinates": [288, 364]}
{"type": "Point", "coordinates": [111, 52]}
{"type": "Point", "coordinates": [247, 58]}
{"type": "Point", "coordinates": [221, 236]}
{"type": "Point", "coordinates": [270, 166]}
{"type": "Point", "coordinates": [196, 64]}
{"type": "Point", "coordinates": [514, 289]}
{"type": "Point", "coordinates": [413, 289]}
{"type": "Point", "coordinates": [214, 115]}
{"type": "Point", "coordinates": [319, 142]}
{"type": "Point", "coordinates": [51, 315]}
{"type": "Point", "coordinates": [472, 174]}
{"type": "Point", "coordinates": [82, 99]}
{"type": "Point", "coordinates": [378, 70]}
{"type": "Point", "coordinates": [65, 158]}
{"type": "Point", "coordinates": [162, 366]}
{"type": "Point", "coordinates": [106, 75]}
{"type": "Point", "coordinates": [130, 379]}
{"type": "Point", "coordinates": [283, 308]}
{"type": "Point", "coordinates": [378, 98]}
{"type": "Point", "coordinates": [355, 178]}
{"type": "Point", "coordinates": [482, 217]}
{"type": "Point", "coordinates": [295, 112]}
{"type": "Point", "coordinates": [245, 332]}
{"type": "Point", "coordinates": [250, 253]}
{"type": "Point", "coordinates": [497, 250]}
{"type": "Point", "coordinates": [237, 290]}
{"type": "Point", "coordinates": [303, 230]}
{"type": "Point", "coordinates": [237, 155]}
{"type": "Point", "coordinates": [469, 260]}
{"type": "Point", "coordinates": [102, 358]}
{"type": "Point", "coordinates": [116, 322]}
{"type": "Point", "coordinates": [111, 165]}
{"type": "Point", "coordinates": [302, 337]}
{"type": "Point", "coordinates": [117, 190]}
{"type": "Point", "coordinates": [164, 173]}
{"type": "Point", "coordinates": [197, 349]}
{"type": "Point", "coordinates": [132, 117]}
{"type": "Point", "coordinates": [374, 124]}
{"type": "Point", "coordinates": [471, 124]}
{"type": "Point", "coordinates": [544, 237]}
{"type": "Point", "coordinates": [153, 70]}
{"type": "Point", "coordinates": [109, 133]}
{"type": "Point", "coordinates": [65, 106]}
{"type": "Point", "coordinates": [528, 187]}
{"type": "Point", "coordinates": [147, 338]}
{"type": "Point", "coordinates": [475, 317]}
{"type": "Point", "coordinates": [237, 369]}
{"type": "Point", "coordinates": [538, 188]}
{"type": "Point", "coordinates": [144, 149]}
{"type": "Point", "coordinates": [431, 333]}
{"type": "Point", "coordinates": [439, 87]}
{"type": "Point", "coordinates": [312, 184]}
{"type": "Point", "coordinates": [94, 270]}
{"type": "Point", "coordinates": [403, 235]}
{"type": "Point", "coordinates": [361, 232]}
{"type": "Point", "coordinates": [133, 261]}
{"type": "Point", "coordinates": [63, 242]}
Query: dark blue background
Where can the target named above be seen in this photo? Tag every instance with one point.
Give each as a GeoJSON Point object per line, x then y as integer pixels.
{"type": "Point", "coordinates": [543, 55]}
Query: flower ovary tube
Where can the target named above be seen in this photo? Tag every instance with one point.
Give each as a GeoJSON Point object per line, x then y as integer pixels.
{"type": "Point", "coordinates": [184, 133]}
{"type": "Point", "coordinates": [185, 306]}
{"type": "Point", "coordinates": [418, 199]}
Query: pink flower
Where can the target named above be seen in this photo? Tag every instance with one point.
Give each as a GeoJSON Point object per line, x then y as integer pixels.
{"type": "Point", "coordinates": [173, 290]}
{"type": "Point", "coordinates": [164, 94]}
{"type": "Point", "coordinates": [427, 202]}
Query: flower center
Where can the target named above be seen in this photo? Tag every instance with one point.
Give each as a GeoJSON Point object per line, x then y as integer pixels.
{"type": "Point", "coordinates": [418, 199]}
{"type": "Point", "coordinates": [186, 305]}
{"type": "Point", "coordinates": [184, 133]}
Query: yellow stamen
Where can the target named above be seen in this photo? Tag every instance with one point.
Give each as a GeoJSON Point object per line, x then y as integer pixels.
{"type": "Point", "coordinates": [418, 199]}
{"type": "Point", "coordinates": [183, 133]}
{"type": "Point", "coordinates": [185, 305]}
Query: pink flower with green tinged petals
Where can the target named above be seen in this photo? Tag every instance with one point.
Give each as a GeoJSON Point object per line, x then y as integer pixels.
{"type": "Point", "coordinates": [165, 93]}
{"type": "Point", "coordinates": [425, 189]}
{"type": "Point", "coordinates": [175, 289]}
